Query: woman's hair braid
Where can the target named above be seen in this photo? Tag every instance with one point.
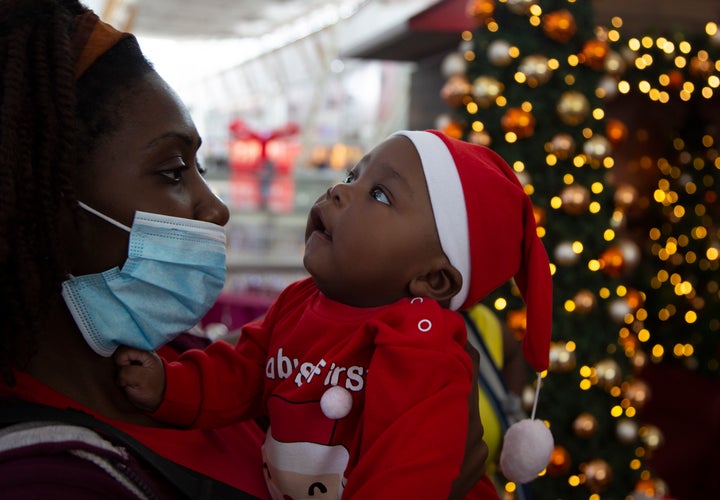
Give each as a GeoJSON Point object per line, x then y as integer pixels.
{"type": "Point", "coordinates": [48, 123]}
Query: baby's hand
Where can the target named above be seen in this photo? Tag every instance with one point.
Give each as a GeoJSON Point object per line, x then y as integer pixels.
{"type": "Point", "coordinates": [141, 374]}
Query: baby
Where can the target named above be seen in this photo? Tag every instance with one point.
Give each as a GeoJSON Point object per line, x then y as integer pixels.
{"type": "Point", "coordinates": [361, 368]}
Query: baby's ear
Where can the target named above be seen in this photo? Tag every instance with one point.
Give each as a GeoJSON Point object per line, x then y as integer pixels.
{"type": "Point", "coordinates": [442, 283]}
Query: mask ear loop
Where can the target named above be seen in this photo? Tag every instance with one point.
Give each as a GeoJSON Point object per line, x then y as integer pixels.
{"type": "Point", "coordinates": [103, 216]}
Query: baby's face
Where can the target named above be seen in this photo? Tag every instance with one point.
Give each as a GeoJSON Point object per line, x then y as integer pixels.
{"type": "Point", "coordinates": [367, 237]}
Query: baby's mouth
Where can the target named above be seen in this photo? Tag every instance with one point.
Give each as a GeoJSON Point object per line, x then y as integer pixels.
{"type": "Point", "coordinates": [319, 225]}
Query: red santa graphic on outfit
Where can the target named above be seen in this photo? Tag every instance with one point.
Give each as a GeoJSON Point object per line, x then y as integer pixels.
{"type": "Point", "coordinates": [310, 470]}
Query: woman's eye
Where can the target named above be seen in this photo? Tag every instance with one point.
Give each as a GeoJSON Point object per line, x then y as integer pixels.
{"type": "Point", "coordinates": [380, 196]}
{"type": "Point", "coordinates": [174, 174]}
{"type": "Point", "coordinates": [349, 178]}
{"type": "Point", "coordinates": [201, 170]}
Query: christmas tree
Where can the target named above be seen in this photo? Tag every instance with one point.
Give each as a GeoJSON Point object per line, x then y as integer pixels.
{"type": "Point", "coordinates": [532, 81]}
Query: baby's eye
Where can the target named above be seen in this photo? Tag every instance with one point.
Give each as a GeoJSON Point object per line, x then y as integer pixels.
{"type": "Point", "coordinates": [350, 177]}
{"type": "Point", "coordinates": [380, 196]}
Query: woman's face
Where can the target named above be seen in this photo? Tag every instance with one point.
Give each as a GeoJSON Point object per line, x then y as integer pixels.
{"type": "Point", "coordinates": [149, 163]}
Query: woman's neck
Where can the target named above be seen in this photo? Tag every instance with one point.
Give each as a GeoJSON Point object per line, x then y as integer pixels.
{"type": "Point", "coordinates": [64, 362]}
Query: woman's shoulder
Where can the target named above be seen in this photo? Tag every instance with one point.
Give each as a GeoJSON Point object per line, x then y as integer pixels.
{"type": "Point", "coordinates": [39, 459]}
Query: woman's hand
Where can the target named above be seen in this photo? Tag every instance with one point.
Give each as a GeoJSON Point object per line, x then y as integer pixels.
{"type": "Point", "coordinates": [141, 374]}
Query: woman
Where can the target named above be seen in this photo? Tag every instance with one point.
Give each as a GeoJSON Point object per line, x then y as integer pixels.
{"type": "Point", "coordinates": [114, 136]}
{"type": "Point", "coordinates": [88, 129]}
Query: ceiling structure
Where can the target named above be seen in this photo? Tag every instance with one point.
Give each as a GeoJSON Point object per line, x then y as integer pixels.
{"type": "Point", "coordinates": [188, 19]}
{"type": "Point", "coordinates": [414, 28]}
{"type": "Point", "coordinates": [253, 18]}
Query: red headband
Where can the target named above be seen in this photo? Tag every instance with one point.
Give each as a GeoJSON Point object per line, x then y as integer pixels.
{"type": "Point", "coordinates": [91, 38]}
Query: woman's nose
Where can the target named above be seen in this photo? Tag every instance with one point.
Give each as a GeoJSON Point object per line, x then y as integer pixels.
{"type": "Point", "coordinates": [210, 208]}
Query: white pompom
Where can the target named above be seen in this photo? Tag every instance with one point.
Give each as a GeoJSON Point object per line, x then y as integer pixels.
{"type": "Point", "coordinates": [336, 402]}
{"type": "Point", "coordinates": [526, 450]}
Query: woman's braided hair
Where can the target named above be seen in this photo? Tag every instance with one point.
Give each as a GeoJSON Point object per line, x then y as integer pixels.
{"type": "Point", "coordinates": [49, 121]}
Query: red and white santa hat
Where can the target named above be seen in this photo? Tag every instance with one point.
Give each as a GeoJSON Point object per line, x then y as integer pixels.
{"type": "Point", "coordinates": [487, 230]}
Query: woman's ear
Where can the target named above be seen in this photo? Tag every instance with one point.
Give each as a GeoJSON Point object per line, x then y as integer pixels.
{"type": "Point", "coordinates": [442, 283]}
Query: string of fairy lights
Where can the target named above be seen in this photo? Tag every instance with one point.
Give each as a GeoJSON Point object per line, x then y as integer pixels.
{"type": "Point", "coordinates": [686, 245]}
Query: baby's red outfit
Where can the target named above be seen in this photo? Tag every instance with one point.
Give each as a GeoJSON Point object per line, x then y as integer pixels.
{"type": "Point", "coordinates": [404, 366]}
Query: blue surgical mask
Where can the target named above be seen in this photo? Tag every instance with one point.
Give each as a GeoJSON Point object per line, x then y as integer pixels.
{"type": "Point", "coordinates": [174, 273]}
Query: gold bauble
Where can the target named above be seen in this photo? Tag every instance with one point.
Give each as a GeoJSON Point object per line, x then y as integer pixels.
{"type": "Point", "coordinates": [608, 373]}
{"type": "Point", "coordinates": [498, 53]}
{"type": "Point", "coordinates": [455, 90]}
{"type": "Point", "coordinates": [652, 488]}
{"type": "Point", "coordinates": [639, 360]}
{"type": "Point", "coordinates": [615, 131]}
{"type": "Point", "coordinates": [598, 474]}
{"type": "Point", "coordinates": [608, 85]}
{"type": "Point", "coordinates": [564, 254]}
{"type": "Point", "coordinates": [677, 80]}
{"type": "Point", "coordinates": [597, 147]}
{"type": "Point", "coordinates": [482, 138]}
{"type": "Point", "coordinates": [527, 398]}
{"type": "Point", "coordinates": [614, 64]}
{"type": "Point", "coordinates": [523, 178]}
{"type": "Point", "coordinates": [701, 68]}
{"type": "Point", "coordinates": [573, 107]}
{"type": "Point", "coordinates": [626, 430]}
{"type": "Point", "coordinates": [629, 342]}
{"type": "Point", "coordinates": [520, 6]}
{"type": "Point", "coordinates": [575, 199]}
{"type": "Point", "coordinates": [539, 215]}
{"type": "Point", "coordinates": [480, 10]}
{"type": "Point", "coordinates": [453, 129]}
{"type": "Point", "coordinates": [561, 145]}
{"type": "Point", "coordinates": [638, 392]}
{"type": "Point", "coordinates": [561, 359]}
{"type": "Point", "coordinates": [594, 53]}
{"type": "Point", "coordinates": [559, 25]}
{"type": "Point", "coordinates": [651, 436]}
{"type": "Point", "coordinates": [516, 321]}
{"type": "Point", "coordinates": [585, 301]}
{"type": "Point", "coordinates": [560, 462]}
{"type": "Point", "coordinates": [535, 68]}
{"type": "Point", "coordinates": [453, 64]}
{"type": "Point", "coordinates": [518, 121]}
{"type": "Point", "coordinates": [585, 425]}
{"type": "Point", "coordinates": [486, 89]}
{"type": "Point", "coordinates": [612, 261]}
{"type": "Point", "coordinates": [618, 309]}
{"type": "Point", "coordinates": [631, 255]}
{"type": "Point", "coordinates": [626, 195]}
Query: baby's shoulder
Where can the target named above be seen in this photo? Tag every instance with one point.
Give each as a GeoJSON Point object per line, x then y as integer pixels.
{"type": "Point", "coordinates": [422, 316]}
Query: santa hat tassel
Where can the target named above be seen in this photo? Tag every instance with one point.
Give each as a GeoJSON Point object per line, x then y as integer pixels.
{"type": "Point", "coordinates": [527, 446]}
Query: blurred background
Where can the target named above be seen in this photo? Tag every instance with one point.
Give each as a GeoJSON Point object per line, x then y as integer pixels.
{"type": "Point", "coordinates": [607, 110]}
